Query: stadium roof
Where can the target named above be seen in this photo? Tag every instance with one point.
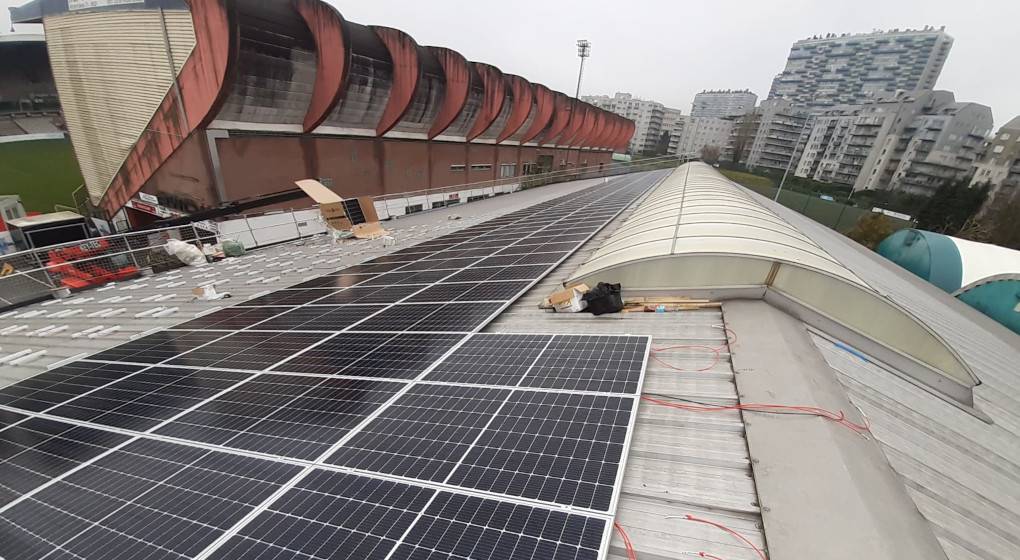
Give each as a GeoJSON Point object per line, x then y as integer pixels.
{"type": "Point", "coordinates": [931, 477]}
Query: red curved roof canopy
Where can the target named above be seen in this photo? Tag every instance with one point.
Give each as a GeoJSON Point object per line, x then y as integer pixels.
{"type": "Point", "coordinates": [458, 79]}
{"type": "Point", "coordinates": [544, 99]}
{"type": "Point", "coordinates": [523, 98]}
{"type": "Point", "coordinates": [574, 126]}
{"type": "Point", "coordinates": [404, 55]}
{"type": "Point", "coordinates": [492, 103]}
{"type": "Point", "coordinates": [599, 130]}
{"type": "Point", "coordinates": [560, 118]}
{"type": "Point", "coordinates": [327, 28]}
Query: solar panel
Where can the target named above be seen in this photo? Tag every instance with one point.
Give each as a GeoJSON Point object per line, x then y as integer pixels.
{"type": "Point", "coordinates": [148, 499]}
{"type": "Point", "coordinates": [507, 429]}
{"type": "Point", "coordinates": [158, 347]}
{"type": "Point", "coordinates": [424, 434]}
{"type": "Point", "coordinates": [318, 318]}
{"type": "Point", "coordinates": [283, 415]}
{"type": "Point", "coordinates": [334, 354]}
{"type": "Point", "coordinates": [145, 399]}
{"type": "Point", "coordinates": [403, 356]}
{"type": "Point", "coordinates": [456, 526]}
{"type": "Point", "coordinates": [248, 350]}
{"type": "Point", "coordinates": [234, 318]}
{"type": "Point", "coordinates": [490, 359]}
{"type": "Point", "coordinates": [286, 297]}
{"type": "Point", "coordinates": [556, 447]}
{"type": "Point", "coordinates": [611, 364]}
{"type": "Point", "coordinates": [330, 515]}
{"type": "Point", "coordinates": [63, 383]}
{"type": "Point", "coordinates": [369, 294]}
{"type": "Point", "coordinates": [37, 450]}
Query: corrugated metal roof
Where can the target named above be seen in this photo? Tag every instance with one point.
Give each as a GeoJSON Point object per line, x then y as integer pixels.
{"type": "Point", "coordinates": [962, 472]}
{"type": "Point", "coordinates": [680, 462]}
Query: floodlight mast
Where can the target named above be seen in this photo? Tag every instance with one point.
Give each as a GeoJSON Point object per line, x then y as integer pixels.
{"type": "Point", "coordinates": [583, 52]}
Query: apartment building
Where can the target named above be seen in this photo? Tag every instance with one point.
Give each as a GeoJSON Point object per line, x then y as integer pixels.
{"type": "Point", "coordinates": [998, 164]}
{"type": "Point", "coordinates": [920, 140]}
{"type": "Point", "coordinates": [650, 118]}
{"type": "Point", "coordinates": [701, 132]}
{"type": "Point", "coordinates": [835, 148]}
{"type": "Point", "coordinates": [852, 69]}
{"type": "Point", "coordinates": [769, 136]}
{"type": "Point", "coordinates": [723, 103]}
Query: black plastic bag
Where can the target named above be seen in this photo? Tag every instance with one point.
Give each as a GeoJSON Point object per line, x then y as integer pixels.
{"type": "Point", "coordinates": [604, 298]}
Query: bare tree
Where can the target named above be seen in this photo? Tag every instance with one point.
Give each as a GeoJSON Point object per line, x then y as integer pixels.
{"type": "Point", "coordinates": [710, 154]}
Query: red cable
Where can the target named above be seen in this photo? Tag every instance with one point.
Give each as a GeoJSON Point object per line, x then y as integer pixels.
{"type": "Point", "coordinates": [631, 554]}
{"type": "Point", "coordinates": [715, 358]}
{"type": "Point", "coordinates": [838, 418]}
{"type": "Point", "coordinates": [730, 531]}
{"type": "Point", "coordinates": [709, 556]}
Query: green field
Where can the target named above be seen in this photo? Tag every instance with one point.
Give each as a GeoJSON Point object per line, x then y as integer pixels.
{"type": "Point", "coordinates": [749, 180]}
{"type": "Point", "coordinates": [43, 172]}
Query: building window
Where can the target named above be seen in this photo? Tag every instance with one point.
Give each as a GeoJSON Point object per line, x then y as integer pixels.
{"type": "Point", "coordinates": [1004, 136]}
{"type": "Point", "coordinates": [998, 149]}
{"type": "Point", "coordinates": [476, 197]}
{"type": "Point", "coordinates": [508, 170]}
{"type": "Point", "coordinates": [481, 167]}
{"type": "Point", "coordinates": [457, 168]}
{"type": "Point", "coordinates": [412, 208]}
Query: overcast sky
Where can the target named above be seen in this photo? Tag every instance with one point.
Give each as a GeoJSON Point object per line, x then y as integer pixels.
{"type": "Point", "coordinates": [670, 50]}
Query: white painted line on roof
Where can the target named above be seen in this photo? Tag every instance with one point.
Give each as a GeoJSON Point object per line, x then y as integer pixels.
{"type": "Point", "coordinates": [136, 286]}
{"type": "Point", "coordinates": [105, 332]}
{"type": "Point", "coordinates": [49, 302]}
{"type": "Point", "coordinates": [34, 313]}
{"type": "Point", "coordinates": [151, 298]}
{"type": "Point", "coordinates": [101, 313]}
{"type": "Point", "coordinates": [88, 331]}
{"type": "Point", "coordinates": [162, 298]}
{"type": "Point", "coordinates": [149, 311]}
{"type": "Point", "coordinates": [59, 329]}
{"type": "Point", "coordinates": [166, 312]}
{"type": "Point", "coordinates": [40, 331]}
{"type": "Point", "coordinates": [66, 361]}
{"type": "Point", "coordinates": [28, 358]}
{"type": "Point", "coordinates": [11, 357]}
{"type": "Point", "coordinates": [108, 286]}
{"type": "Point", "coordinates": [76, 300]}
{"type": "Point", "coordinates": [270, 279]}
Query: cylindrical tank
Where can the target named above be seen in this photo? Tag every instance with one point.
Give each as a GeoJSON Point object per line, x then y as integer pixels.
{"type": "Point", "coordinates": [984, 276]}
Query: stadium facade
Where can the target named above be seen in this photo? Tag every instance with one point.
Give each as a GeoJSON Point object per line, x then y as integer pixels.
{"type": "Point", "coordinates": [205, 102]}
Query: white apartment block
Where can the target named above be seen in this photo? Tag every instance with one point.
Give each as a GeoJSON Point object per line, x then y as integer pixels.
{"type": "Point", "coordinates": [650, 118]}
{"type": "Point", "coordinates": [723, 103]}
{"type": "Point", "coordinates": [700, 132]}
{"type": "Point", "coordinates": [852, 69]}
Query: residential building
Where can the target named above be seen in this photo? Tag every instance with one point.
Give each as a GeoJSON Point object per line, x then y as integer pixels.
{"type": "Point", "coordinates": [998, 164]}
{"type": "Point", "coordinates": [852, 69]}
{"type": "Point", "coordinates": [700, 132]}
{"type": "Point", "coordinates": [723, 103]}
{"type": "Point", "coordinates": [919, 140]}
{"type": "Point", "coordinates": [769, 136]}
{"type": "Point", "coordinates": [834, 150]}
{"type": "Point", "coordinates": [676, 134]}
{"type": "Point", "coordinates": [650, 118]}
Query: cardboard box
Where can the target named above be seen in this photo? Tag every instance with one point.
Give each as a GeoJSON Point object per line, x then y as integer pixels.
{"type": "Point", "coordinates": [569, 300]}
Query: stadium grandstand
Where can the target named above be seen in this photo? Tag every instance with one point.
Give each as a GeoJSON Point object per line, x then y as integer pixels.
{"type": "Point", "coordinates": [29, 108]}
{"type": "Point", "coordinates": [202, 103]}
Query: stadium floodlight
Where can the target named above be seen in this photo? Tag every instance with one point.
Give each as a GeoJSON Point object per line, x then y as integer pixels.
{"type": "Point", "coordinates": [583, 52]}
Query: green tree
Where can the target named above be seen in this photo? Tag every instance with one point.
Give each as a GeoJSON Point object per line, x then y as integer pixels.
{"type": "Point", "coordinates": [952, 205]}
{"type": "Point", "coordinates": [871, 229]}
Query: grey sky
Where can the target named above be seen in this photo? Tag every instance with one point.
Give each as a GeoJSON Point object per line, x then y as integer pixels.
{"type": "Point", "coordinates": [668, 51]}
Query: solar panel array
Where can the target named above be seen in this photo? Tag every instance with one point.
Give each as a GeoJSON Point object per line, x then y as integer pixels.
{"type": "Point", "coordinates": [355, 415]}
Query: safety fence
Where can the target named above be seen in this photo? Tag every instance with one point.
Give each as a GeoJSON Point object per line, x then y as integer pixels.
{"type": "Point", "coordinates": [36, 274]}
